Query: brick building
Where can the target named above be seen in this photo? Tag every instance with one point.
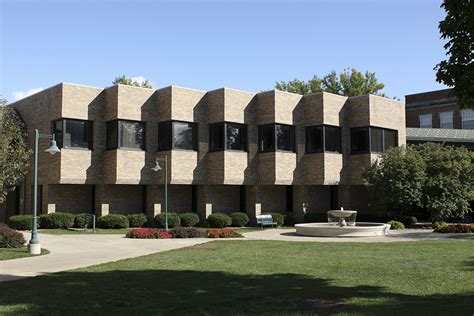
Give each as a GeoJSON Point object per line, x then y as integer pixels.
{"type": "Point", "coordinates": [228, 150]}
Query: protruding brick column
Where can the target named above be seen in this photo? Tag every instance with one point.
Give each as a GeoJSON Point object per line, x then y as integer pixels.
{"type": "Point", "coordinates": [100, 208]}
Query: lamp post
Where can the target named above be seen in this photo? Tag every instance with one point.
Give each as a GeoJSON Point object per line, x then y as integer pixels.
{"type": "Point", "coordinates": [157, 168]}
{"type": "Point", "coordinates": [34, 246]}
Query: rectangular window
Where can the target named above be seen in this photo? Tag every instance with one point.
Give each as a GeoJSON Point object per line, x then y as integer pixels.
{"type": "Point", "coordinates": [332, 138]}
{"type": "Point", "coordinates": [426, 121]}
{"type": "Point", "coordinates": [266, 138]}
{"type": "Point", "coordinates": [446, 120]}
{"type": "Point", "coordinates": [390, 139]}
{"type": "Point", "coordinates": [376, 140]}
{"type": "Point", "coordinates": [381, 139]}
{"type": "Point", "coordinates": [360, 140]}
{"type": "Point", "coordinates": [285, 137]}
{"type": "Point", "coordinates": [72, 133]}
{"type": "Point", "coordinates": [236, 136]}
{"type": "Point", "coordinates": [314, 139]}
{"type": "Point", "coordinates": [323, 138]}
{"type": "Point", "coordinates": [177, 135]}
{"type": "Point", "coordinates": [216, 137]}
{"type": "Point", "coordinates": [125, 134]}
{"type": "Point", "coordinates": [273, 137]}
{"type": "Point", "coordinates": [467, 117]}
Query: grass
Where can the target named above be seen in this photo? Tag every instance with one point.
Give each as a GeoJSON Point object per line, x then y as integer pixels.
{"type": "Point", "coordinates": [14, 253]}
{"type": "Point", "coordinates": [254, 277]}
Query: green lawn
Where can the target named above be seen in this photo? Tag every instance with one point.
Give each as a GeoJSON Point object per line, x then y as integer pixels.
{"type": "Point", "coordinates": [14, 253]}
{"type": "Point", "coordinates": [273, 277]}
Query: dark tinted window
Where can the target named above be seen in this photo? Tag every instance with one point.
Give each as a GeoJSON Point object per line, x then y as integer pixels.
{"type": "Point", "coordinates": [391, 138]}
{"type": "Point", "coordinates": [266, 138]}
{"type": "Point", "coordinates": [285, 135]}
{"type": "Point", "coordinates": [58, 132]}
{"type": "Point", "coordinates": [164, 136]}
{"type": "Point", "coordinates": [131, 135]}
{"type": "Point", "coordinates": [360, 140]}
{"type": "Point", "coordinates": [236, 136]}
{"type": "Point", "coordinates": [112, 135]}
{"type": "Point", "coordinates": [376, 140]}
{"type": "Point", "coordinates": [177, 135]}
{"type": "Point", "coordinates": [76, 134]}
{"type": "Point", "coordinates": [314, 139]}
{"type": "Point", "coordinates": [332, 138]}
{"type": "Point", "coordinates": [216, 137]}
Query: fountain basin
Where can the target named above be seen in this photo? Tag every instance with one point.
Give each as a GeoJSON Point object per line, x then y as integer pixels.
{"type": "Point", "coordinates": [361, 229]}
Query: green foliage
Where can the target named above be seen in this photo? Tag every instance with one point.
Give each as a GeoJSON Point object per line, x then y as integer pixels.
{"type": "Point", "coordinates": [10, 238]}
{"type": "Point", "coordinates": [239, 219]}
{"type": "Point", "coordinates": [113, 221]}
{"type": "Point", "coordinates": [136, 220]}
{"type": "Point", "coordinates": [458, 31]}
{"type": "Point", "coordinates": [56, 220]}
{"type": "Point", "coordinates": [396, 225]}
{"type": "Point", "coordinates": [14, 154]}
{"type": "Point", "coordinates": [315, 217]}
{"type": "Point", "coordinates": [80, 220]}
{"type": "Point", "coordinates": [131, 82]}
{"type": "Point", "coordinates": [431, 176]}
{"type": "Point", "coordinates": [189, 219]}
{"type": "Point", "coordinates": [438, 224]}
{"type": "Point", "coordinates": [173, 220]}
{"type": "Point", "coordinates": [350, 82]}
{"type": "Point", "coordinates": [408, 220]}
{"type": "Point", "coordinates": [277, 217]}
{"type": "Point", "coordinates": [188, 232]}
{"type": "Point", "coordinates": [219, 220]}
{"type": "Point", "coordinates": [21, 222]}
{"type": "Point", "coordinates": [455, 229]}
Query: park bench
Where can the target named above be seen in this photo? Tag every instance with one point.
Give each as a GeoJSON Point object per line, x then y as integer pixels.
{"type": "Point", "coordinates": [265, 220]}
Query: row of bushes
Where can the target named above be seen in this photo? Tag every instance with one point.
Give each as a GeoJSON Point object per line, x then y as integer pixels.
{"type": "Point", "coordinates": [10, 238]}
{"type": "Point", "coordinates": [457, 228]}
{"type": "Point", "coordinates": [182, 232]}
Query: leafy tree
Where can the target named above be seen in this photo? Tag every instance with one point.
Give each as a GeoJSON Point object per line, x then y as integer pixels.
{"type": "Point", "coordinates": [130, 82]}
{"type": "Point", "coordinates": [458, 70]}
{"type": "Point", "coordinates": [435, 177]}
{"type": "Point", "coordinates": [350, 82]}
{"type": "Point", "coordinates": [14, 154]}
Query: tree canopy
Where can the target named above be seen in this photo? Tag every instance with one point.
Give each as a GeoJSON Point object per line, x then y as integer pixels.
{"type": "Point", "coordinates": [132, 82]}
{"type": "Point", "coordinates": [437, 178]}
{"type": "Point", "coordinates": [14, 154]}
{"type": "Point", "coordinates": [349, 82]}
{"type": "Point", "coordinates": [458, 70]}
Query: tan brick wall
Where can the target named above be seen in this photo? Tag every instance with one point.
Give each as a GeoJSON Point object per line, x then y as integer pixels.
{"type": "Point", "coordinates": [70, 198]}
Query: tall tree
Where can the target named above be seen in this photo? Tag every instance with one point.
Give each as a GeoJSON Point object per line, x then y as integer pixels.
{"type": "Point", "coordinates": [14, 154]}
{"type": "Point", "coordinates": [458, 70]}
{"type": "Point", "coordinates": [350, 82]}
{"type": "Point", "coordinates": [131, 82]}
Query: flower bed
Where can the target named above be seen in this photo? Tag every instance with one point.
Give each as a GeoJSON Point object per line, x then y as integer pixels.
{"type": "Point", "coordinates": [458, 228]}
{"type": "Point", "coordinates": [180, 232]}
{"type": "Point", "coordinates": [148, 233]}
{"type": "Point", "coordinates": [223, 233]}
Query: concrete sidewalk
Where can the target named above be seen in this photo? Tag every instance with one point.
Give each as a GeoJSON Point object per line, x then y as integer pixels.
{"type": "Point", "coordinates": [77, 251]}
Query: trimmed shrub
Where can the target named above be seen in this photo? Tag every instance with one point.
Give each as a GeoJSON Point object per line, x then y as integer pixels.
{"type": "Point", "coordinates": [148, 233]}
{"type": "Point", "coordinates": [407, 220]}
{"type": "Point", "coordinates": [10, 238]}
{"type": "Point", "coordinates": [188, 232]}
{"type": "Point", "coordinates": [457, 228]}
{"type": "Point", "coordinates": [80, 220]}
{"type": "Point", "coordinates": [57, 220]}
{"type": "Point", "coordinates": [438, 224]}
{"type": "Point", "coordinates": [396, 225]}
{"type": "Point", "coordinates": [136, 220]}
{"type": "Point", "coordinates": [239, 219]}
{"type": "Point", "coordinates": [21, 222]}
{"type": "Point", "coordinates": [223, 233]}
{"type": "Point", "coordinates": [315, 217]}
{"type": "Point", "coordinates": [219, 220]}
{"type": "Point", "coordinates": [277, 217]}
{"type": "Point", "coordinates": [173, 220]}
{"type": "Point", "coordinates": [189, 219]}
{"type": "Point", "coordinates": [113, 221]}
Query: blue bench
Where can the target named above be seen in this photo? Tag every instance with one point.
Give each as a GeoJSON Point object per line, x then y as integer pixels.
{"type": "Point", "coordinates": [265, 220]}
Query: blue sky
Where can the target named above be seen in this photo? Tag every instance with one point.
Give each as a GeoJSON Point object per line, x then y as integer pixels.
{"type": "Point", "coordinates": [206, 45]}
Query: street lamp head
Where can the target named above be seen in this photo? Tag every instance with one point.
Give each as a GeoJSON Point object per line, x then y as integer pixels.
{"type": "Point", "coordinates": [157, 167]}
{"type": "Point", "coordinates": [53, 148]}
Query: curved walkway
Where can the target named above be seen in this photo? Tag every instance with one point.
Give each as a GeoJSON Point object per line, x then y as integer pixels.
{"type": "Point", "coordinates": [78, 251]}
{"type": "Point", "coordinates": [393, 236]}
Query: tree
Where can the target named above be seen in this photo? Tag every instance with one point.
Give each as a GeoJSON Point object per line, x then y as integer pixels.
{"type": "Point", "coordinates": [458, 70]}
{"type": "Point", "coordinates": [132, 82]}
{"type": "Point", "coordinates": [350, 82]}
{"type": "Point", "coordinates": [437, 178]}
{"type": "Point", "coordinates": [14, 154]}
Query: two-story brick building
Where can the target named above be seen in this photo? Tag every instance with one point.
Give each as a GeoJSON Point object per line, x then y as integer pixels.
{"type": "Point", "coordinates": [228, 150]}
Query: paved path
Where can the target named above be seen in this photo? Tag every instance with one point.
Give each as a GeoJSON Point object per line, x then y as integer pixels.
{"type": "Point", "coordinates": [393, 236]}
{"type": "Point", "coordinates": [77, 251]}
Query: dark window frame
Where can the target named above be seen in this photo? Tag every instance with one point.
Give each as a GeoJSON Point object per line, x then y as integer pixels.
{"type": "Point", "coordinates": [370, 150]}
{"type": "Point", "coordinates": [116, 144]}
{"type": "Point", "coordinates": [170, 136]}
{"type": "Point", "coordinates": [60, 139]}
{"type": "Point", "coordinates": [274, 147]}
{"type": "Point", "coordinates": [323, 139]}
{"type": "Point", "coordinates": [223, 142]}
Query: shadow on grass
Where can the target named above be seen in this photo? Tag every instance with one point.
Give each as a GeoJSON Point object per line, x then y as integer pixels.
{"type": "Point", "coordinates": [194, 292]}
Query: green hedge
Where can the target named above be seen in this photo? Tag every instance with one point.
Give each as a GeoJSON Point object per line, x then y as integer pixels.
{"type": "Point", "coordinates": [137, 220]}
{"type": "Point", "coordinates": [21, 222]}
{"type": "Point", "coordinates": [277, 217]}
{"type": "Point", "coordinates": [10, 238]}
{"type": "Point", "coordinates": [80, 220]}
{"type": "Point", "coordinates": [396, 225]}
{"type": "Point", "coordinates": [113, 221]}
{"type": "Point", "coordinates": [239, 219]}
{"type": "Point", "coordinates": [189, 219]}
{"type": "Point", "coordinates": [57, 220]}
{"type": "Point", "coordinates": [188, 232]}
{"type": "Point", "coordinates": [219, 220]}
{"type": "Point", "coordinates": [173, 220]}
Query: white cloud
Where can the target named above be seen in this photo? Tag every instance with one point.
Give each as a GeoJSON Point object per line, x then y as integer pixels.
{"type": "Point", "coordinates": [17, 95]}
{"type": "Point", "coordinates": [139, 79]}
